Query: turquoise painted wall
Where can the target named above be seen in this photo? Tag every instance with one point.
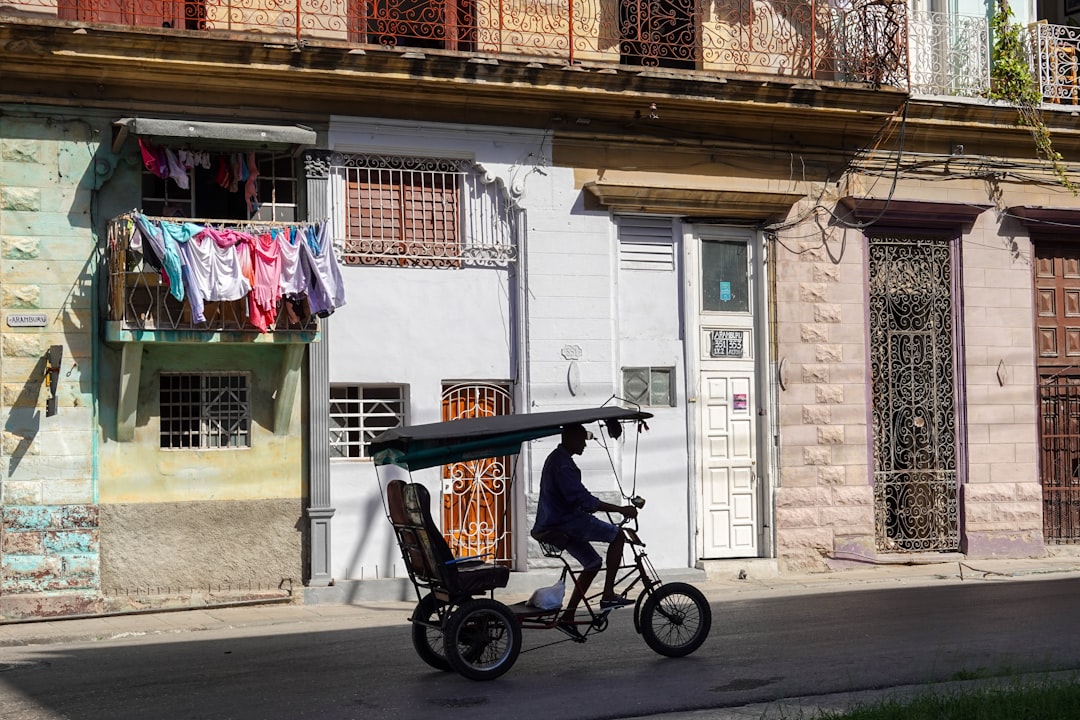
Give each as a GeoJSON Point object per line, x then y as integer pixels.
{"type": "Point", "coordinates": [54, 168]}
{"type": "Point", "coordinates": [60, 183]}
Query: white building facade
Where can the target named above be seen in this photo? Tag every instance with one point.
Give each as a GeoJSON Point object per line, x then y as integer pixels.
{"type": "Point", "coordinates": [554, 303]}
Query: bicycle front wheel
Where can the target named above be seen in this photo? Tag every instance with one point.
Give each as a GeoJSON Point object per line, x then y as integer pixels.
{"type": "Point", "coordinates": [675, 619]}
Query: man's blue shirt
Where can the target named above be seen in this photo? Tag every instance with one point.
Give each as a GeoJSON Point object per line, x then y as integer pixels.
{"type": "Point", "coordinates": [563, 498]}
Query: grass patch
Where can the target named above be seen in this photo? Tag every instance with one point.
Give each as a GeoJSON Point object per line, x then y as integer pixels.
{"type": "Point", "coordinates": [1034, 701]}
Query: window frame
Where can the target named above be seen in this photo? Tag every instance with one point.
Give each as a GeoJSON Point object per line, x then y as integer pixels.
{"type": "Point", "coordinates": [364, 432]}
{"type": "Point", "coordinates": [162, 197]}
{"type": "Point", "coordinates": [176, 425]}
{"type": "Point", "coordinates": [649, 370]}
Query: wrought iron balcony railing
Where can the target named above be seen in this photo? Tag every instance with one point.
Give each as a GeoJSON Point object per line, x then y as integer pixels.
{"type": "Point", "coordinates": [141, 307]}
{"type": "Point", "coordinates": [950, 54]}
{"type": "Point", "coordinates": [1055, 55]}
{"type": "Point", "coordinates": [865, 40]}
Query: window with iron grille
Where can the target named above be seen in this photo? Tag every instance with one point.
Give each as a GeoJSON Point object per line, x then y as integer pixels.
{"type": "Point", "coordinates": [204, 411]}
{"type": "Point", "coordinates": [422, 212]}
{"type": "Point", "coordinates": [649, 386]}
{"type": "Point", "coordinates": [404, 215]}
{"type": "Point", "coordinates": [359, 413]}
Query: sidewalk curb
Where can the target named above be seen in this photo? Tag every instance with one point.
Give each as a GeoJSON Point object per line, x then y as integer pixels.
{"type": "Point", "coordinates": [376, 606]}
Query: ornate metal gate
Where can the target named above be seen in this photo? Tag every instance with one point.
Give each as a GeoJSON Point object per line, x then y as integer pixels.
{"type": "Point", "coordinates": [476, 494]}
{"type": "Point", "coordinates": [913, 384]}
{"type": "Point", "coordinates": [1059, 429]}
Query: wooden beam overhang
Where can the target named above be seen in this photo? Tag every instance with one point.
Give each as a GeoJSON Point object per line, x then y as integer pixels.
{"type": "Point", "coordinates": [918, 214]}
{"type": "Point", "coordinates": [1049, 222]}
{"type": "Point", "coordinates": [752, 206]}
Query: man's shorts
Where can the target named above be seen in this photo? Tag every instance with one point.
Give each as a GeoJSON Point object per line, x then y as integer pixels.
{"type": "Point", "coordinates": [583, 531]}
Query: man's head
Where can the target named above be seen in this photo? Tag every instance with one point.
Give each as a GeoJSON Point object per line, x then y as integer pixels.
{"type": "Point", "coordinates": [574, 438]}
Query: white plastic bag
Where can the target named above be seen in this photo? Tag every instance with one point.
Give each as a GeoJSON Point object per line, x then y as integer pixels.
{"type": "Point", "coordinates": [548, 598]}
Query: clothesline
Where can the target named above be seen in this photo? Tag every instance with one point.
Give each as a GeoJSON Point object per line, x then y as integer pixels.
{"type": "Point", "coordinates": [211, 261]}
{"type": "Point", "coordinates": [236, 224]}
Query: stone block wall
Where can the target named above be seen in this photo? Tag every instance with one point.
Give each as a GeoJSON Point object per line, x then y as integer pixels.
{"type": "Point", "coordinates": [824, 502]}
{"type": "Point", "coordinates": [1001, 496]}
{"type": "Point", "coordinates": [49, 546]}
{"type": "Point", "coordinates": [824, 505]}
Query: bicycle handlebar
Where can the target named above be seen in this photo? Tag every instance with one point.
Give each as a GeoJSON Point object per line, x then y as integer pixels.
{"type": "Point", "coordinates": [638, 502]}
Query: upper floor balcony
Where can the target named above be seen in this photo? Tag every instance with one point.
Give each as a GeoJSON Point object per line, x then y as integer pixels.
{"type": "Point", "coordinates": [861, 41]}
{"type": "Point", "coordinates": [154, 294]}
{"type": "Point", "coordinates": [950, 55]}
{"type": "Point", "coordinates": [1055, 51]}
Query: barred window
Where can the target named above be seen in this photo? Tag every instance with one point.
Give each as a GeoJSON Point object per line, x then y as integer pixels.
{"type": "Point", "coordinates": [359, 413]}
{"type": "Point", "coordinates": [649, 386]}
{"type": "Point", "coordinates": [404, 212]}
{"type": "Point", "coordinates": [422, 213]}
{"type": "Point", "coordinates": [204, 411]}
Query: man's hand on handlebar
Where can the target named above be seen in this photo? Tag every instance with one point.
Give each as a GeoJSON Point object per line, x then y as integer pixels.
{"type": "Point", "coordinates": [628, 511]}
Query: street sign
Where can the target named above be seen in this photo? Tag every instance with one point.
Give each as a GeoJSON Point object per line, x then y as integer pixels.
{"type": "Point", "coordinates": [27, 320]}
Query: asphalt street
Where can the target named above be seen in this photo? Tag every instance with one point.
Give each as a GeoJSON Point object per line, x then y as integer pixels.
{"type": "Point", "coordinates": [775, 647]}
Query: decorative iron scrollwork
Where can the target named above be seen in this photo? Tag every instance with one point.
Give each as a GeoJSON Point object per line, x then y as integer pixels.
{"type": "Point", "coordinates": [913, 385]}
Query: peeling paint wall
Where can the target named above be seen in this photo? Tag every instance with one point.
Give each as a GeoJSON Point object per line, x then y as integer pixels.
{"type": "Point", "coordinates": [52, 168]}
{"type": "Point", "coordinates": [75, 504]}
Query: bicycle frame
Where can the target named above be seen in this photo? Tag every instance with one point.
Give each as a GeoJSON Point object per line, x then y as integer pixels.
{"type": "Point", "coordinates": [637, 571]}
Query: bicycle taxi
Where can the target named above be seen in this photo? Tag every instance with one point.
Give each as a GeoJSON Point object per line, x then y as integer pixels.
{"type": "Point", "coordinates": [457, 623]}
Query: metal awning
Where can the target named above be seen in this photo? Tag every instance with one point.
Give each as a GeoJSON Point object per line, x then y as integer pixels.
{"type": "Point", "coordinates": [239, 134]}
{"type": "Point", "coordinates": [417, 447]}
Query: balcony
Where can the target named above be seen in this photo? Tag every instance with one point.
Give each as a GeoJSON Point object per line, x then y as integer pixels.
{"type": "Point", "coordinates": [141, 308]}
{"type": "Point", "coordinates": [864, 41]}
{"type": "Point", "coordinates": [950, 54]}
{"type": "Point", "coordinates": [1055, 50]}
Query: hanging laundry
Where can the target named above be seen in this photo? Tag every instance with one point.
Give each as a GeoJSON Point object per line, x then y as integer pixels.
{"type": "Point", "coordinates": [250, 187]}
{"type": "Point", "coordinates": [217, 251]}
{"type": "Point", "coordinates": [236, 165]}
{"type": "Point", "coordinates": [153, 159]}
{"type": "Point", "coordinates": [177, 172]}
{"type": "Point", "coordinates": [296, 309]}
{"type": "Point", "coordinates": [177, 235]}
{"type": "Point", "coordinates": [327, 291]}
{"type": "Point", "coordinates": [291, 270]}
{"type": "Point", "coordinates": [267, 289]}
{"type": "Point", "coordinates": [221, 177]}
{"type": "Point", "coordinates": [294, 281]}
{"type": "Point", "coordinates": [167, 251]}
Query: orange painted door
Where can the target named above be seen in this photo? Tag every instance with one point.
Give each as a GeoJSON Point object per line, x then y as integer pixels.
{"type": "Point", "coordinates": [476, 494]}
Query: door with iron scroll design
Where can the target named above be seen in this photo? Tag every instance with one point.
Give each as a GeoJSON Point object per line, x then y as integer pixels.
{"type": "Point", "coordinates": [913, 381]}
{"type": "Point", "coordinates": [476, 494]}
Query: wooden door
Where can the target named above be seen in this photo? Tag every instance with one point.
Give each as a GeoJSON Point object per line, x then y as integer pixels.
{"type": "Point", "coordinates": [1057, 323]}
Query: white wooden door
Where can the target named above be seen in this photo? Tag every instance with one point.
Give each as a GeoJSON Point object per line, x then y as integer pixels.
{"type": "Point", "coordinates": [729, 498]}
{"type": "Point", "coordinates": [729, 478]}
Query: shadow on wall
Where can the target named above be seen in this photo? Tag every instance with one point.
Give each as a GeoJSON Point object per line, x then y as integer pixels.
{"type": "Point", "coordinates": [24, 419]}
{"type": "Point", "coordinates": [74, 153]}
{"type": "Point", "coordinates": [372, 518]}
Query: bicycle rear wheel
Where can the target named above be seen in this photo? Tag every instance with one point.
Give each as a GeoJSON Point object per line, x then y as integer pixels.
{"type": "Point", "coordinates": [675, 619]}
{"type": "Point", "coordinates": [483, 639]}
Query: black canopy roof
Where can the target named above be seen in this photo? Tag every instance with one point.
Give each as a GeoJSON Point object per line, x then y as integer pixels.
{"type": "Point", "coordinates": [423, 446]}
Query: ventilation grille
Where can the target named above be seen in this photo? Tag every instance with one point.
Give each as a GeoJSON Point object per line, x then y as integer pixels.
{"type": "Point", "coordinates": [646, 244]}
